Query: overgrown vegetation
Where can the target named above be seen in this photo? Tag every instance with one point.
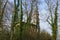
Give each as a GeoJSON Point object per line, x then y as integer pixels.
{"type": "Point", "coordinates": [19, 20]}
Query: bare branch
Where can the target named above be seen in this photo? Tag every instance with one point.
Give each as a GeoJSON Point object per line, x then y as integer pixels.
{"type": "Point", "coordinates": [48, 20]}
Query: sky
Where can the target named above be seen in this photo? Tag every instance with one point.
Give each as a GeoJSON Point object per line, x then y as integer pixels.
{"type": "Point", "coordinates": [43, 14]}
{"type": "Point", "coordinates": [43, 24]}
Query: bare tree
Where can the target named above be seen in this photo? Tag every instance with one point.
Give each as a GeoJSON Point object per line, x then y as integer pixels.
{"type": "Point", "coordinates": [53, 17]}
{"type": "Point", "coordinates": [14, 19]}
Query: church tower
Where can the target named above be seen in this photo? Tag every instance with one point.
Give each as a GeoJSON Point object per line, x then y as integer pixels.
{"type": "Point", "coordinates": [36, 18]}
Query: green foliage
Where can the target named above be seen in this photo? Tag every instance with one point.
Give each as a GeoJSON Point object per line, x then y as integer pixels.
{"type": "Point", "coordinates": [54, 30]}
{"type": "Point", "coordinates": [26, 30]}
{"type": "Point", "coordinates": [21, 18]}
